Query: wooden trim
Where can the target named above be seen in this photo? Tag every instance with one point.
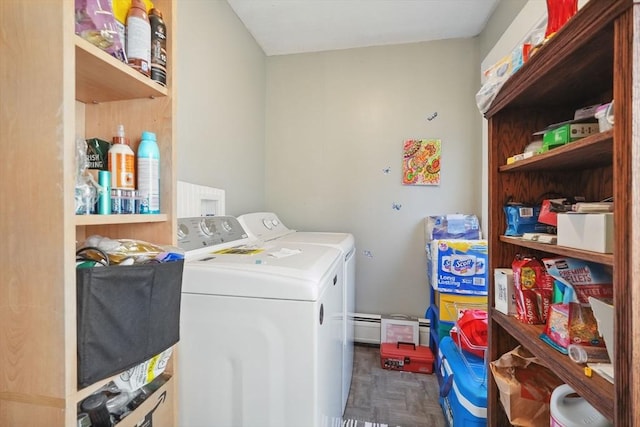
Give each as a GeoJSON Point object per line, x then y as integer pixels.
{"type": "Point", "coordinates": [626, 198]}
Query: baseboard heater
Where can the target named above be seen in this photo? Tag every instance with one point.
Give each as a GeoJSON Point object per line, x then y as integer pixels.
{"type": "Point", "coordinates": [367, 329]}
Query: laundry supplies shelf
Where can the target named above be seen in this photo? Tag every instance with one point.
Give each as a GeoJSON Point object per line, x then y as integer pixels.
{"type": "Point", "coordinates": [58, 87]}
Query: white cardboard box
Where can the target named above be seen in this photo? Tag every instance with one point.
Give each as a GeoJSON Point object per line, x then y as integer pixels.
{"type": "Point", "coordinates": [504, 297]}
{"type": "Point", "coordinates": [399, 328]}
{"type": "Point", "coordinates": [590, 232]}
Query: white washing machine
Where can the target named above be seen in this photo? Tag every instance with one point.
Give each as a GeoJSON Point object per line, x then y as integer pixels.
{"type": "Point", "coordinates": [266, 226]}
{"type": "Point", "coordinates": [260, 329]}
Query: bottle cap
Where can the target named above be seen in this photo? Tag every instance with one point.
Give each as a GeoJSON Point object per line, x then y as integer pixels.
{"type": "Point", "coordinates": [93, 402]}
{"type": "Point", "coordinates": [148, 135]}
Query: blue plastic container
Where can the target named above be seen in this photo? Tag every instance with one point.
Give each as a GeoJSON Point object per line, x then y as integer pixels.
{"type": "Point", "coordinates": [463, 386]}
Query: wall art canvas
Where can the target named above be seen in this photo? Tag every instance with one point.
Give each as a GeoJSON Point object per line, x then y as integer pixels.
{"type": "Point", "coordinates": [421, 162]}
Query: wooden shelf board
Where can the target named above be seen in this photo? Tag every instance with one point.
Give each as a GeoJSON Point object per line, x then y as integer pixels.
{"type": "Point", "coordinates": [102, 78]}
{"type": "Point", "coordinates": [596, 390]}
{"type": "Point", "coordinates": [592, 151]}
{"type": "Point", "coordinates": [119, 219]}
{"type": "Point", "coordinates": [555, 74]}
{"type": "Point", "coordinates": [597, 257]}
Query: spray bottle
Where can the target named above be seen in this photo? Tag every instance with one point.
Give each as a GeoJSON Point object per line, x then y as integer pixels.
{"type": "Point", "coordinates": [149, 174]}
{"type": "Point", "coordinates": [121, 161]}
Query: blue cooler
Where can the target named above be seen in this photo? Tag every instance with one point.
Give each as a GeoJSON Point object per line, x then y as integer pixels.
{"type": "Point", "coordinates": [463, 386]}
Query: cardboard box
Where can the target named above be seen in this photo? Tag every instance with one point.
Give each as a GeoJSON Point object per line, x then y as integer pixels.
{"type": "Point", "coordinates": [157, 410]}
{"type": "Point", "coordinates": [459, 266]}
{"type": "Point", "coordinates": [397, 328]}
{"type": "Point", "coordinates": [504, 296]}
{"type": "Point", "coordinates": [603, 311]}
{"type": "Point", "coordinates": [590, 232]}
{"type": "Point", "coordinates": [449, 306]}
{"type": "Point", "coordinates": [567, 133]}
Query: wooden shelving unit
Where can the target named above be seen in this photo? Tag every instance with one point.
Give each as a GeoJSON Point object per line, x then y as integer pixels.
{"type": "Point", "coordinates": [58, 87]}
{"type": "Point", "coordinates": [592, 59]}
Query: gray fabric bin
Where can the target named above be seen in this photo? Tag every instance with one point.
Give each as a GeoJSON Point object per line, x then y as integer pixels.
{"type": "Point", "coordinates": [125, 315]}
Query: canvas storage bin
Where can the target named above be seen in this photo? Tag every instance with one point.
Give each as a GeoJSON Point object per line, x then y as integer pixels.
{"type": "Point", "coordinates": [125, 315]}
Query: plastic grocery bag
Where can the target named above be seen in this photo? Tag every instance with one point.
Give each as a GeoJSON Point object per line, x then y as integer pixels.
{"type": "Point", "coordinates": [525, 387]}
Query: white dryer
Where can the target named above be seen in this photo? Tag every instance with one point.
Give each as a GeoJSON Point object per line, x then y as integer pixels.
{"type": "Point", "coordinates": [260, 329]}
{"type": "Point", "coordinates": [267, 227]}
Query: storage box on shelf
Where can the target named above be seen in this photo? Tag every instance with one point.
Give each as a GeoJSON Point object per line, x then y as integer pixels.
{"type": "Point", "coordinates": [591, 231]}
{"type": "Point", "coordinates": [573, 69]}
{"type": "Point", "coordinates": [83, 92]}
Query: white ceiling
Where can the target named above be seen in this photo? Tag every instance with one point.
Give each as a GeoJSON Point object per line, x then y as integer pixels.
{"type": "Point", "coordinates": [294, 26]}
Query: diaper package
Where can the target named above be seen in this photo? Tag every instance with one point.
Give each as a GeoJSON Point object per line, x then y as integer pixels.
{"type": "Point", "coordinates": [458, 266]}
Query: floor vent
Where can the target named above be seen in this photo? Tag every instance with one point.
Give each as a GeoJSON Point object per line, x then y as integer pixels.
{"type": "Point", "coordinates": [367, 329]}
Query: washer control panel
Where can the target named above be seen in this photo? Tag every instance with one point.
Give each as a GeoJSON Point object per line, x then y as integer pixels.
{"type": "Point", "coordinates": [264, 225]}
{"type": "Point", "coordinates": [205, 231]}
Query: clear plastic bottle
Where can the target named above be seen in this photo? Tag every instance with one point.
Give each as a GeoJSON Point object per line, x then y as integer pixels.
{"type": "Point", "coordinates": [588, 354]}
{"type": "Point", "coordinates": [138, 37]}
{"type": "Point", "coordinates": [121, 162]}
{"type": "Point", "coordinates": [158, 47]}
{"type": "Point", "coordinates": [149, 174]}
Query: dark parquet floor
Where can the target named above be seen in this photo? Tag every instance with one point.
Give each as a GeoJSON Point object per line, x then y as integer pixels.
{"type": "Point", "coordinates": [395, 398]}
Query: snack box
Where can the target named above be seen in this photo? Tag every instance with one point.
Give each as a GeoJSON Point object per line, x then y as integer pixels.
{"type": "Point", "coordinates": [578, 279]}
{"type": "Point", "coordinates": [458, 266]}
{"type": "Point", "coordinates": [406, 357]}
{"type": "Point", "coordinates": [504, 292]}
{"type": "Point", "coordinates": [463, 386]}
{"type": "Point", "coordinates": [567, 133]}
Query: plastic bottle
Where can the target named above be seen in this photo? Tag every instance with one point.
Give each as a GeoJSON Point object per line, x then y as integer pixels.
{"type": "Point", "coordinates": [104, 193]}
{"type": "Point", "coordinates": [588, 354]}
{"type": "Point", "coordinates": [121, 161]}
{"type": "Point", "coordinates": [149, 174]}
{"type": "Point", "coordinates": [158, 47]}
{"type": "Point", "coordinates": [138, 36]}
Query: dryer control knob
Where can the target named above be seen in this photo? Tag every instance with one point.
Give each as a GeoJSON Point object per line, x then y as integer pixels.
{"type": "Point", "coordinates": [183, 230]}
{"type": "Point", "coordinates": [207, 226]}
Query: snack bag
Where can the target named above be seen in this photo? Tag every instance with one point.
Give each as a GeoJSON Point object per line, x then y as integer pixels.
{"type": "Point", "coordinates": [94, 22]}
{"type": "Point", "coordinates": [522, 219]}
{"type": "Point", "coordinates": [533, 289]}
{"type": "Point", "coordinates": [571, 323]}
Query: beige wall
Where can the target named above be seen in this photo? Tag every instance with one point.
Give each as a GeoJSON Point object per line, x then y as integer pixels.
{"type": "Point", "coordinates": [220, 110]}
{"type": "Point", "coordinates": [309, 136]}
{"type": "Point", "coordinates": [336, 120]}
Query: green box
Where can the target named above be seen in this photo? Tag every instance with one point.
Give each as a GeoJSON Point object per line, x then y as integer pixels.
{"type": "Point", "coordinates": [567, 133]}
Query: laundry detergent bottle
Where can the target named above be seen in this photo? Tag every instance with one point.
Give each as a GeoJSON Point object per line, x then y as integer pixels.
{"type": "Point", "coordinates": [121, 162]}
{"type": "Point", "coordinates": [149, 174]}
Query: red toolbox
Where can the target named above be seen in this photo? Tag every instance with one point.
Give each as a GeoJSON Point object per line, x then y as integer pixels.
{"type": "Point", "coordinates": [403, 356]}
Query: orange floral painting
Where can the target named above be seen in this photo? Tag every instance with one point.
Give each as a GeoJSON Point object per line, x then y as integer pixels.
{"type": "Point", "coordinates": [421, 162]}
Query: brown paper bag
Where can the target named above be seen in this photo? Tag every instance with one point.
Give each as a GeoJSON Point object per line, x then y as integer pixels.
{"type": "Point", "coordinates": [525, 387]}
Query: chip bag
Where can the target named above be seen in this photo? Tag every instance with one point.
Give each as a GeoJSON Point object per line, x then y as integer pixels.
{"type": "Point", "coordinates": [571, 323]}
{"type": "Point", "coordinates": [533, 289]}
